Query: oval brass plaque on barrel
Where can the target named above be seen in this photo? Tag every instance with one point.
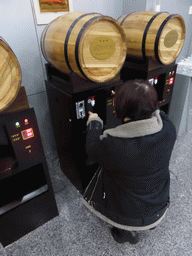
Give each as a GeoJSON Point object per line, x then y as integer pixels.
{"type": "Point", "coordinates": [171, 39]}
{"type": "Point", "coordinates": [102, 48]}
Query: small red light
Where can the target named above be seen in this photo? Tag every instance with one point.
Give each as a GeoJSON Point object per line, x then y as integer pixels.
{"type": "Point", "coordinates": [26, 120]}
{"type": "Point", "coordinates": [92, 97]}
{"type": "Point", "coordinates": [171, 80]}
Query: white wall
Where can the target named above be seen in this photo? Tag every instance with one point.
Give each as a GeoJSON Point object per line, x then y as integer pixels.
{"type": "Point", "coordinates": [111, 8]}
{"type": "Point", "coordinates": [130, 6]}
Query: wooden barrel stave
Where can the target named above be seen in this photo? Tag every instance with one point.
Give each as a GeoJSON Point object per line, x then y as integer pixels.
{"type": "Point", "coordinates": [93, 67]}
{"type": "Point", "coordinates": [149, 35]}
{"type": "Point", "coordinates": [52, 45]}
{"type": "Point", "coordinates": [175, 25]}
{"type": "Point", "coordinates": [73, 44]}
{"type": "Point", "coordinates": [10, 75]}
{"type": "Point", "coordinates": [152, 34]}
{"type": "Point", "coordinates": [75, 36]}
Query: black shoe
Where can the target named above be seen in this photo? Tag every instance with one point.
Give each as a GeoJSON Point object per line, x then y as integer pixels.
{"type": "Point", "coordinates": [122, 236]}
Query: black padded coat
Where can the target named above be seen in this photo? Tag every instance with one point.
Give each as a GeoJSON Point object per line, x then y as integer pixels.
{"type": "Point", "coordinates": [131, 189]}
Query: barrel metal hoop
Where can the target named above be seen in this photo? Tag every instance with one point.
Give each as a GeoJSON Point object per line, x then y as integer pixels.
{"type": "Point", "coordinates": [43, 40]}
{"type": "Point", "coordinates": [158, 36]}
{"type": "Point", "coordinates": [121, 23]}
{"type": "Point", "coordinates": [78, 41]}
{"type": "Point", "coordinates": [68, 36]}
{"type": "Point", "coordinates": [146, 31]}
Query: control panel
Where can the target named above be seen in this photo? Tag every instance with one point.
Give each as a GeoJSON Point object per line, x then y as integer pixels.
{"type": "Point", "coordinates": [163, 84]}
{"type": "Point", "coordinates": [23, 138]}
{"type": "Point", "coordinates": [100, 101]}
{"type": "Point", "coordinates": [22, 133]}
{"type": "Point", "coordinates": [83, 106]}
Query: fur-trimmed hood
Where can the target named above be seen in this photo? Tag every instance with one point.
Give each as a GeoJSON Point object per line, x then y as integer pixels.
{"type": "Point", "coordinates": [137, 128]}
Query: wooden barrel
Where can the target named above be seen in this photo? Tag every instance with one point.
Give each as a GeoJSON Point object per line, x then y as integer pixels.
{"type": "Point", "coordinates": [88, 44]}
{"type": "Point", "coordinates": [10, 75]}
{"type": "Point", "coordinates": [156, 35]}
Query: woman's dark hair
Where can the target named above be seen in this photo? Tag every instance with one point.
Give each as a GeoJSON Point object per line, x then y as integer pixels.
{"type": "Point", "coordinates": [135, 99]}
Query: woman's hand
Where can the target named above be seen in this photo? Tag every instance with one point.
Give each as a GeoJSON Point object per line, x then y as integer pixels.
{"type": "Point", "coordinates": [92, 115]}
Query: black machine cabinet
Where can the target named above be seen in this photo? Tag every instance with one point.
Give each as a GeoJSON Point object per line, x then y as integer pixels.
{"type": "Point", "coordinates": [70, 99]}
{"type": "Point", "coordinates": [27, 199]}
{"type": "Point", "coordinates": [161, 76]}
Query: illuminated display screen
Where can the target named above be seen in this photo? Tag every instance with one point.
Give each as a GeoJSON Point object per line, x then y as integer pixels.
{"type": "Point", "coordinates": [27, 134]}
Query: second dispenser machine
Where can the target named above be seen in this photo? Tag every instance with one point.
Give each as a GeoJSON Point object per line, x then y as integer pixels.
{"type": "Point", "coordinates": [82, 76]}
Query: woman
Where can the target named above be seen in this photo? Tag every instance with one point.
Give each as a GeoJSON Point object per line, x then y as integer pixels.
{"type": "Point", "coordinates": [131, 189]}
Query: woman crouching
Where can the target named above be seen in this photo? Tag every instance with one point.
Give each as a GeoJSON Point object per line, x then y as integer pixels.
{"type": "Point", "coordinates": [131, 189]}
